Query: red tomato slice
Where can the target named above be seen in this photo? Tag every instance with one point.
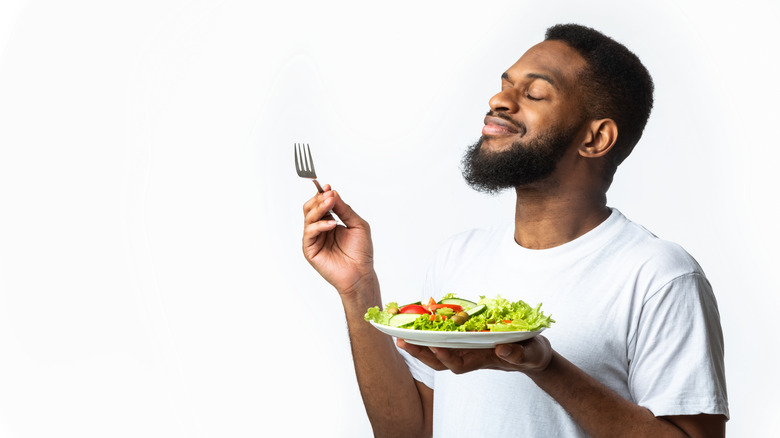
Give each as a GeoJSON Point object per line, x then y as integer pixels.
{"type": "Point", "coordinates": [414, 308]}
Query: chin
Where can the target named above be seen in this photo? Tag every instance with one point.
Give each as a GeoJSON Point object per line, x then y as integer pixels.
{"type": "Point", "coordinates": [496, 143]}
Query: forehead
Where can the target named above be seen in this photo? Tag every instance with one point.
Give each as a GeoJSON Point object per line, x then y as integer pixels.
{"type": "Point", "coordinates": [554, 59]}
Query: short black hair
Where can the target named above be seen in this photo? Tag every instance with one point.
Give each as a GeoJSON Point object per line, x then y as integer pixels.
{"type": "Point", "coordinates": [615, 83]}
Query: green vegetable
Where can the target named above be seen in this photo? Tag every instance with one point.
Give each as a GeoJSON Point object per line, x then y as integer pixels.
{"type": "Point", "coordinates": [446, 311]}
{"type": "Point", "coordinates": [476, 310]}
{"type": "Point", "coordinates": [466, 304]}
{"type": "Point", "coordinates": [378, 316]}
{"type": "Point", "coordinates": [402, 320]}
{"type": "Point", "coordinates": [494, 314]}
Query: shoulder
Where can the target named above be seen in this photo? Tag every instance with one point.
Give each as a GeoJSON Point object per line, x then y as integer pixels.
{"type": "Point", "coordinates": [655, 265]}
{"type": "Point", "coordinates": [641, 246]}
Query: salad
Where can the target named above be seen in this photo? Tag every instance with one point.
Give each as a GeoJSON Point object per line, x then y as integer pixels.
{"type": "Point", "coordinates": [458, 315]}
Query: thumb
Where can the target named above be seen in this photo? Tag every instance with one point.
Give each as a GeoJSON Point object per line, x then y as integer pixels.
{"type": "Point", "coordinates": [533, 354]}
{"type": "Point", "coordinates": [346, 213]}
{"type": "Point", "coordinates": [512, 353]}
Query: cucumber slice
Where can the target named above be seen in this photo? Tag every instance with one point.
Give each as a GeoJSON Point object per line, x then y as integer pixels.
{"type": "Point", "coordinates": [402, 319]}
{"type": "Point", "coordinates": [474, 311]}
{"type": "Point", "coordinates": [466, 304]}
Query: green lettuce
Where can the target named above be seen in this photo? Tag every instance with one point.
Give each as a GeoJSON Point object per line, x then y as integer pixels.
{"type": "Point", "coordinates": [522, 316]}
{"type": "Point", "coordinates": [519, 316]}
{"type": "Point", "coordinates": [378, 316]}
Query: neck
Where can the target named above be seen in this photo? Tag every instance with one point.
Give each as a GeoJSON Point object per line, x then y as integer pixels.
{"type": "Point", "coordinates": [546, 220]}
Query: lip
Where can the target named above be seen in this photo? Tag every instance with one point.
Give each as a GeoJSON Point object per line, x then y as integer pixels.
{"type": "Point", "coordinates": [498, 126]}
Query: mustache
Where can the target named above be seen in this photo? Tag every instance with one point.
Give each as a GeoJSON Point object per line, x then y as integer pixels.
{"type": "Point", "coordinates": [519, 125]}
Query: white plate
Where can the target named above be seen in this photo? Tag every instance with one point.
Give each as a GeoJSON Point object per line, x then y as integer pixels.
{"type": "Point", "coordinates": [455, 339]}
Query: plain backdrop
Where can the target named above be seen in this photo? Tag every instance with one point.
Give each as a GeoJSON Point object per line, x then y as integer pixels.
{"type": "Point", "coordinates": [151, 277]}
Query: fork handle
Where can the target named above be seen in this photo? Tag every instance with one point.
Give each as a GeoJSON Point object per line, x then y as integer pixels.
{"type": "Point", "coordinates": [330, 215]}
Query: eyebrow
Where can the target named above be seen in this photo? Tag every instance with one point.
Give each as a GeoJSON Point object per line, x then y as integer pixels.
{"type": "Point", "coordinates": [541, 76]}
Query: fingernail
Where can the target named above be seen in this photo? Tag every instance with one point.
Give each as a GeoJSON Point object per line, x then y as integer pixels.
{"type": "Point", "coordinates": [503, 351]}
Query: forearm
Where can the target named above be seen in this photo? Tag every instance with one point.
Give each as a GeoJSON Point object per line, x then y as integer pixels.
{"type": "Point", "coordinates": [344, 257]}
{"type": "Point", "coordinates": [389, 392]}
{"type": "Point", "coordinates": [595, 407]}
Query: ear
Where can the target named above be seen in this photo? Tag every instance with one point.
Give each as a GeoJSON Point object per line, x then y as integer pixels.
{"type": "Point", "coordinates": [600, 136]}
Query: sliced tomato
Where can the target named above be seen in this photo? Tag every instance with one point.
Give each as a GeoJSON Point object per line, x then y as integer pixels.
{"type": "Point", "coordinates": [414, 308]}
{"type": "Point", "coordinates": [429, 308]}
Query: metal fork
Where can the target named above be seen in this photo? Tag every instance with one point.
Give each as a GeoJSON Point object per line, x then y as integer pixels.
{"type": "Point", "coordinates": [304, 165]}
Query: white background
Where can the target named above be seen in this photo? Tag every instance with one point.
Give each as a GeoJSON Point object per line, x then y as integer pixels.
{"type": "Point", "coordinates": [151, 277]}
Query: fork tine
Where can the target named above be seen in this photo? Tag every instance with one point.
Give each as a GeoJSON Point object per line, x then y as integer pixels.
{"type": "Point", "coordinates": [297, 165]}
{"type": "Point", "coordinates": [311, 162]}
{"type": "Point", "coordinates": [300, 159]}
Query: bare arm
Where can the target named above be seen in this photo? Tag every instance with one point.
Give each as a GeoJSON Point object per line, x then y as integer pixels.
{"type": "Point", "coordinates": [595, 407]}
{"type": "Point", "coordinates": [603, 413]}
{"type": "Point", "coordinates": [396, 404]}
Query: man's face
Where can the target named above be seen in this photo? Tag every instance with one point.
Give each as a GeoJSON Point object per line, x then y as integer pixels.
{"type": "Point", "coordinates": [532, 121]}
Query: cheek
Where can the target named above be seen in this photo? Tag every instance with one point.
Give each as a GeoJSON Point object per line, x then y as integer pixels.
{"type": "Point", "coordinates": [543, 121]}
{"type": "Point", "coordinates": [537, 122]}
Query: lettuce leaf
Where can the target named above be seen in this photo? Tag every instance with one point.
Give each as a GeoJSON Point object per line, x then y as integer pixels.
{"type": "Point", "coordinates": [520, 315]}
{"type": "Point", "coordinates": [378, 316]}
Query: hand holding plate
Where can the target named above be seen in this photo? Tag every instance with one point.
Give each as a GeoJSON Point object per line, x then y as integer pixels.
{"type": "Point", "coordinates": [529, 355]}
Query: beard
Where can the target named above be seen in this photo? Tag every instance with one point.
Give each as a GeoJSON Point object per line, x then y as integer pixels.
{"type": "Point", "coordinates": [522, 164]}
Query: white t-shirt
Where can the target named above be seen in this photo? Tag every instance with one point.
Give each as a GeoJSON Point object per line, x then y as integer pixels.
{"type": "Point", "coordinates": [631, 310]}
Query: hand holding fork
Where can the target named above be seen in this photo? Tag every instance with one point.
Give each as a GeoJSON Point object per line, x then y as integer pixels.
{"type": "Point", "coordinates": [304, 166]}
{"type": "Point", "coordinates": [343, 255]}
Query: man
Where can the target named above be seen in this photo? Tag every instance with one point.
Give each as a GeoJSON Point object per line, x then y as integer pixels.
{"type": "Point", "coordinates": [636, 349]}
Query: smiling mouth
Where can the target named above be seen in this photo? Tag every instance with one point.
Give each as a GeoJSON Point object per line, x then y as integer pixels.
{"type": "Point", "coordinates": [497, 126]}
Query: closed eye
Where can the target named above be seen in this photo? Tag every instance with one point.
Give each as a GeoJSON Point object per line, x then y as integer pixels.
{"type": "Point", "coordinates": [533, 98]}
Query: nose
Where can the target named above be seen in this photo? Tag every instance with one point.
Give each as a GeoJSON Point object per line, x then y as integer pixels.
{"type": "Point", "coordinates": [505, 101]}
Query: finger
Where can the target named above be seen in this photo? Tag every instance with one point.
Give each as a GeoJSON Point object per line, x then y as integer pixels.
{"type": "Point", "coordinates": [424, 354]}
{"type": "Point", "coordinates": [318, 206]}
{"type": "Point", "coordinates": [462, 361]}
{"type": "Point", "coordinates": [512, 353]}
{"type": "Point", "coordinates": [317, 198]}
{"type": "Point", "coordinates": [312, 231]}
{"type": "Point", "coordinates": [533, 354]}
{"type": "Point", "coordinates": [312, 202]}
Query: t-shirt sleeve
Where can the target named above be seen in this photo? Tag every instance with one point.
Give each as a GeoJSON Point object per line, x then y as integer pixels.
{"type": "Point", "coordinates": [420, 372]}
{"type": "Point", "coordinates": [677, 365]}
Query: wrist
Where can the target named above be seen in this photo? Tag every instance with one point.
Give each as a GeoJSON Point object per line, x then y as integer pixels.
{"type": "Point", "coordinates": [362, 294]}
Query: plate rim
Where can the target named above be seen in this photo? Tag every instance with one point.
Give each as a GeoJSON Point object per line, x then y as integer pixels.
{"type": "Point", "coordinates": [445, 339]}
